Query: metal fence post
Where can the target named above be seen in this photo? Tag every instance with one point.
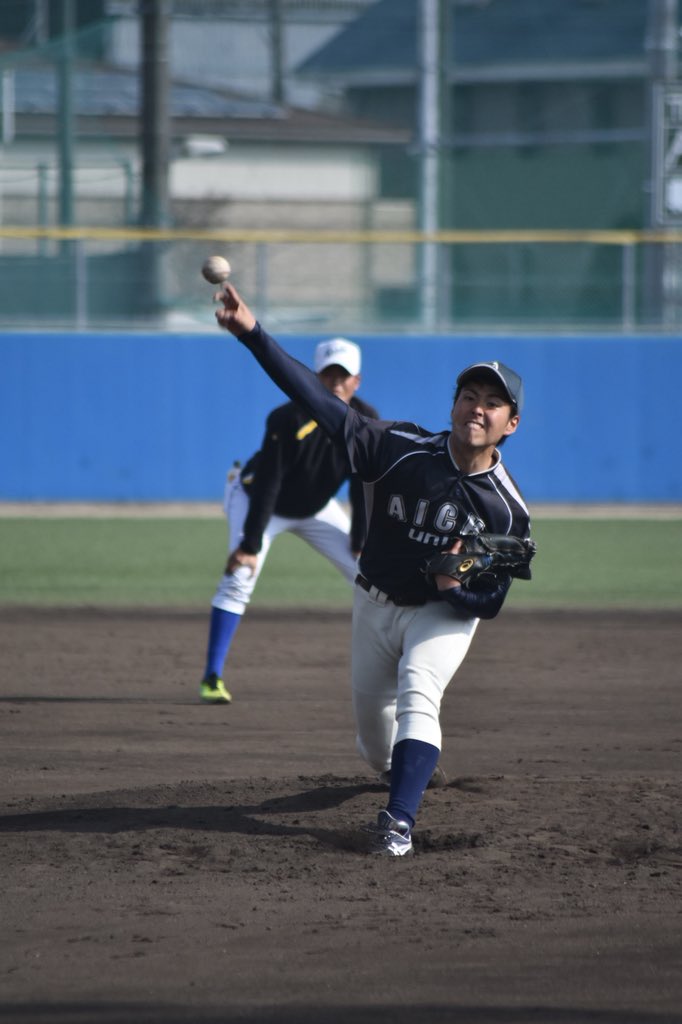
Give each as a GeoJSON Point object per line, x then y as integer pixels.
{"type": "Point", "coordinates": [43, 205]}
{"type": "Point", "coordinates": [262, 279]}
{"type": "Point", "coordinates": [81, 285]}
{"type": "Point", "coordinates": [628, 304]}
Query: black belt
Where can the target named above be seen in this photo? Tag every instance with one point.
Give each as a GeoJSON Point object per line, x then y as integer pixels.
{"type": "Point", "coordinates": [401, 600]}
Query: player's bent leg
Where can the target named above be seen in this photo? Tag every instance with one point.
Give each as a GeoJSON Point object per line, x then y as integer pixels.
{"type": "Point", "coordinates": [375, 659]}
{"type": "Point", "coordinates": [231, 597]}
{"type": "Point", "coordinates": [431, 656]}
{"type": "Point", "coordinates": [396, 645]}
{"type": "Point", "coordinates": [434, 647]}
{"type": "Point", "coordinates": [234, 591]}
{"type": "Point", "coordinates": [222, 628]}
{"type": "Point", "coordinates": [412, 766]}
{"type": "Point", "coordinates": [376, 729]}
{"type": "Point", "coordinates": [226, 610]}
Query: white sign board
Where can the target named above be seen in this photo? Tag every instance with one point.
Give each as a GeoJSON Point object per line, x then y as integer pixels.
{"type": "Point", "coordinates": [667, 183]}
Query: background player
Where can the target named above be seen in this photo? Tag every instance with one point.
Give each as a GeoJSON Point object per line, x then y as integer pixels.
{"type": "Point", "coordinates": [424, 492]}
{"type": "Point", "coordinates": [289, 484]}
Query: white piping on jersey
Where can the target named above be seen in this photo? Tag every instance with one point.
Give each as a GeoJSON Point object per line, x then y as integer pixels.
{"type": "Point", "coordinates": [504, 501]}
{"type": "Point", "coordinates": [479, 472]}
{"type": "Point", "coordinates": [508, 483]}
{"type": "Point", "coordinates": [499, 477]}
{"type": "Point", "coordinates": [417, 438]}
{"type": "Point", "coordinates": [407, 455]}
{"type": "Point", "coordinates": [497, 473]}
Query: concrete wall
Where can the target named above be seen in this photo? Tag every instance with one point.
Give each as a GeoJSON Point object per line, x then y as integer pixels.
{"type": "Point", "coordinates": [151, 417]}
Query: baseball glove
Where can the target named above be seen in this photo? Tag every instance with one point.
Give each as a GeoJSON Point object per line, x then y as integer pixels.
{"type": "Point", "coordinates": [484, 556]}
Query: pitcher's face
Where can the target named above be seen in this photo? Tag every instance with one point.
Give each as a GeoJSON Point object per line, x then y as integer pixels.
{"type": "Point", "coordinates": [482, 415]}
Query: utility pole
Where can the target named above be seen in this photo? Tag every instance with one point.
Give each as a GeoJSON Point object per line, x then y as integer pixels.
{"type": "Point", "coordinates": [661, 275]}
{"type": "Point", "coordinates": [65, 93]}
{"type": "Point", "coordinates": [155, 113]}
{"type": "Point", "coordinates": [429, 147]}
{"type": "Point", "coordinates": [40, 16]}
{"type": "Point", "coordinates": [155, 117]}
{"type": "Point", "coordinates": [276, 52]}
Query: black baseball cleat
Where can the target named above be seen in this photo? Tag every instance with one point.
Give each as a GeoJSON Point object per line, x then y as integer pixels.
{"type": "Point", "coordinates": [389, 836]}
{"type": "Point", "coordinates": [438, 778]}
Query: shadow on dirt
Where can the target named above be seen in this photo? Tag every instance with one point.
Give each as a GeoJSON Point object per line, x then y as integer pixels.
{"type": "Point", "coordinates": [124, 1013]}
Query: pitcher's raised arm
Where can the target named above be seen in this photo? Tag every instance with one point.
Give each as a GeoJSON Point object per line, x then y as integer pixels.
{"type": "Point", "coordinates": [301, 384]}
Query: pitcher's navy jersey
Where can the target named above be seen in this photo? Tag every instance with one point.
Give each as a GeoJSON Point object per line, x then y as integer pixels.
{"type": "Point", "coordinates": [416, 498]}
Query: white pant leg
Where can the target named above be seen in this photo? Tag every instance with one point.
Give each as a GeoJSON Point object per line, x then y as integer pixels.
{"type": "Point", "coordinates": [403, 659]}
{"type": "Point", "coordinates": [329, 533]}
{"type": "Point", "coordinates": [375, 657]}
{"type": "Point", "coordinates": [234, 591]}
{"type": "Point", "coordinates": [435, 643]}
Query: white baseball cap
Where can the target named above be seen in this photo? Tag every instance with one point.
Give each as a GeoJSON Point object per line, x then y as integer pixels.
{"type": "Point", "coordinates": [338, 352]}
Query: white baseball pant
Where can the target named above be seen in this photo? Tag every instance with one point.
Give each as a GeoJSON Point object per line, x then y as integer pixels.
{"type": "Point", "coordinates": [402, 661]}
{"type": "Point", "coordinates": [328, 532]}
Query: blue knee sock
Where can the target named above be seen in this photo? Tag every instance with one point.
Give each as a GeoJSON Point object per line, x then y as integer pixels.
{"type": "Point", "coordinates": [222, 629]}
{"type": "Point", "coordinates": [412, 765]}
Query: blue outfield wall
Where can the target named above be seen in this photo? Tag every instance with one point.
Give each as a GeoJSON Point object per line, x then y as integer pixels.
{"type": "Point", "coordinates": [160, 417]}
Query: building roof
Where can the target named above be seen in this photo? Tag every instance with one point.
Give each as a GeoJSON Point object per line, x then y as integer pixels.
{"type": "Point", "coordinates": [490, 33]}
{"type": "Point", "coordinates": [108, 102]}
{"type": "Point", "coordinates": [100, 92]}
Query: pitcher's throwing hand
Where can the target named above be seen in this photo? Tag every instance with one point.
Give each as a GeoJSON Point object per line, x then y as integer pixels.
{"type": "Point", "coordinates": [235, 316]}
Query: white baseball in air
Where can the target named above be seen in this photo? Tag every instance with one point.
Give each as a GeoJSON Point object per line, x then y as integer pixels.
{"type": "Point", "coordinates": [216, 269]}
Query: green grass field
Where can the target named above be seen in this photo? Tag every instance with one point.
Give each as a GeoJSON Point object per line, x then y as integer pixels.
{"type": "Point", "coordinates": [177, 562]}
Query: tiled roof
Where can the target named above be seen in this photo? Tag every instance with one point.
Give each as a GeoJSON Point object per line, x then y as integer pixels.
{"type": "Point", "coordinates": [108, 101]}
{"type": "Point", "coordinates": [98, 92]}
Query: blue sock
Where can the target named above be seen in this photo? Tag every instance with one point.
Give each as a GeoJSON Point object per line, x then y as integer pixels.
{"type": "Point", "coordinates": [412, 765]}
{"type": "Point", "coordinates": [222, 629]}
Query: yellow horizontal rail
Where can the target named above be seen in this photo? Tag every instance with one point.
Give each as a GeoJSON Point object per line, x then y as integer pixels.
{"type": "Point", "coordinates": [551, 237]}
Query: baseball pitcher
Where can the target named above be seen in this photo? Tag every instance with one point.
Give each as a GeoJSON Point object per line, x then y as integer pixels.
{"type": "Point", "coordinates": [414, 615]}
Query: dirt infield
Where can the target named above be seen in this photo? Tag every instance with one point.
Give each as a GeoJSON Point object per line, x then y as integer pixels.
{"type": "Point", "coordinates": [164, 861]}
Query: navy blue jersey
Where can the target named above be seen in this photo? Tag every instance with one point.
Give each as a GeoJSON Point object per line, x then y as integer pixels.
{"type": "Point", "coordinates": [416, 498]}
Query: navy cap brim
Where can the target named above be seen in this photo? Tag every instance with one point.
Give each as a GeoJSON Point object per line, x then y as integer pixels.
{"type": "Point", "coordinates": [510, 381]}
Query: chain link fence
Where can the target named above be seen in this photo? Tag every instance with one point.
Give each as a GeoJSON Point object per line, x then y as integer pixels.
{"type": "Point", "coordinates": [338, 281]}
{"type": "Point", "coordinates": [316, 209]}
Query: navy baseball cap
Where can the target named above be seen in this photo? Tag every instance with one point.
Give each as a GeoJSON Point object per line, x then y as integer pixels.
{"type": "Point", "coordinates": [509, 379]}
